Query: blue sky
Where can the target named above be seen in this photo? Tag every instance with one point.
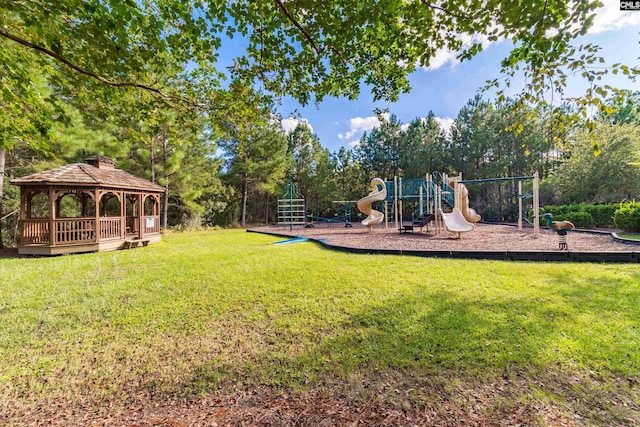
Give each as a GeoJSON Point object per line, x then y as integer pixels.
{"type": "Point", "coordinates": [448, 86]}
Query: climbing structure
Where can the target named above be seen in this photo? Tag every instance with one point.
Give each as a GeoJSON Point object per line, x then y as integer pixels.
{"type": "Point", "coordinates": [292, 208]}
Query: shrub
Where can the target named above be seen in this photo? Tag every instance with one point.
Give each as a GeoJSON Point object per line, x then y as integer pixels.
{"type": "Point", "coordinates": [491, 214]}
{"type": "Point", "coordinates": [559, 213]}
{"type": "Point", "coordinates": [580, 219]}
{"type": "Point", "coordinates": [602, 214]}
{"type": "Point", "coordinates": [627, 217]}
{"type": "Point", "coordinates": [562, 210]}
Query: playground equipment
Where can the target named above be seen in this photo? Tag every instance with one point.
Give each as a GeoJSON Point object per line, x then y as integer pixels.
{"type": "Point", "coordinates": [427, 197]}
{"type": "Point", "coordinates": [462, 199]}
{"type": "Point", "coordinates": [534, 195]}
{"type": "Point", "coordinates": [419, 222]}
{"type": "Point", "coordinates": [292, 208]}
{"type": "Point", "coordinates": [560, 227]}
{"type": "Point", "coordinates": [337, 219]}
{"type": "Point", "coordinates": [455, 222]}
{"type": "Point", "coordinates": [374, 217]}
{"type": "Point", "coordinates": [430, 195]}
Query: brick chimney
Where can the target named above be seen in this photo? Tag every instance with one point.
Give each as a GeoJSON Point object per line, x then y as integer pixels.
{"type": "Point", "coordinates": [101, 162]}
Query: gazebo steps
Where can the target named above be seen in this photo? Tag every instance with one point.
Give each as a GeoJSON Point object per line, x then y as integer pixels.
{"type": "Point", "coordinates": [134, 243]}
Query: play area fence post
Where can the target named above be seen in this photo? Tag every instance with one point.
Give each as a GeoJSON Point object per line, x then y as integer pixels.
{"type": "Point", "coordinates": [395, 200]}
{"type": "Point", "coordinates": [400, 214]}
{"type": "Point", "coordinates": [438, 209]}
{"type": "Point", "coordinates": [536, 205]}
{"type": "Point", "coordinates": [386, 215]}
{"type": "Point", "coordinates": [430, 208]}
{"type": "Point", "coordinates": [519, 205]}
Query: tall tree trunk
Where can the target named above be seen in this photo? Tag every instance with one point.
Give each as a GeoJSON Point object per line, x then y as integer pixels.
{"type": "Point", "coordinates": [165, 205]}
{"type": "Point", "coordinates": [10, 160]}
{"type": "Point", "coordinates": [3, 160]}
{"type": "Point", "coordinates": [245, 191]}
{"type": "Point", "coordinates": [152, 159]}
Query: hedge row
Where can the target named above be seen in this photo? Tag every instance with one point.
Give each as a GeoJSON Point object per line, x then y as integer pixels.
{"type": "Point", "coordinates": [628, 217]}
{"type": "Point", "coordinates": [624, 215]}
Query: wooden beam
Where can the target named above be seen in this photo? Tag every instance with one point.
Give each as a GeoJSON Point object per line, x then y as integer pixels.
{"type": "Point", "coordinates": [97, 215]}
{"type": "Point", "coordinates": [52, 215]}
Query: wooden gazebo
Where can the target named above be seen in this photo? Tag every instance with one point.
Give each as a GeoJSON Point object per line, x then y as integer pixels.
{"type": "Point", "coordinates": [86, 208]}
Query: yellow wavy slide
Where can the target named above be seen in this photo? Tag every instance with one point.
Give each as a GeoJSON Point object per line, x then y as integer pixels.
{"type": "Point", "coordinates": [374, 217]}
{"type": "Point", "coordinates": [468, 213]}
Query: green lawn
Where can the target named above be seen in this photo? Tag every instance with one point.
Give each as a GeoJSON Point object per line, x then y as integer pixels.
{"type": "Point", "coordinates": [630, 236]}
{"type": "Point", "coordinates": [204, 313]}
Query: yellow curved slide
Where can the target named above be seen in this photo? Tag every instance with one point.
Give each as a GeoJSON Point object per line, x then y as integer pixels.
{"type": "Point", "coordinates": [374, 217]}
{"type": "Point", "coordinates": [468, 213]}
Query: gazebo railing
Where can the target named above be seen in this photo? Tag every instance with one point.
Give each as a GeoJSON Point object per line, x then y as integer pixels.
{"type": "Point", "coordinates": [34, 232]}
{"type": "Point", "coordinates": [76, 230]}
{"type": "Point", "coordinates": [110, 228]}
{"type": "Point", "coordinates": [152, 224]}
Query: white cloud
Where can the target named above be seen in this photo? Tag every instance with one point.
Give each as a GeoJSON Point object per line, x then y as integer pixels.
{"type": "Point", "coordinates": [445, 123]}
{"type": "Point", "coordinates": [359, 124]}
{"type": "Point", "coordinates": [442, 57]}
{"type": "Point", "coordinates": [362, 124]}
{"type": "Point", "coordinates": [291, 123]}
{"type": "Point", "coordinates": [610, 18]}
{"type": "Point", "coordinates": [445, 56]}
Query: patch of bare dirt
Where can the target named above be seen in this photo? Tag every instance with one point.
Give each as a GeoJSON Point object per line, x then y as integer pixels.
{"type": "Point", "coordinates": [481, 406]}
{"type": "Point", "coordinates": [548, 398]}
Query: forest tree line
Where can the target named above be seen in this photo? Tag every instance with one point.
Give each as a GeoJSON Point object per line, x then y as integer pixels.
{"type": "Point", "coordinates": [236, 179]}
{"type": "Point", "coordinates": [182, 92]}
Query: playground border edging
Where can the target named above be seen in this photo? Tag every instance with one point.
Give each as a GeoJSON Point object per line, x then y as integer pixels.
{"type": "Point", "coordinates": [543, 256]}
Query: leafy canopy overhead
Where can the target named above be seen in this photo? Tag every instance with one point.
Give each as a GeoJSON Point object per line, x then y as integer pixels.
{"type": "Point", "coordinates": [308, 49]}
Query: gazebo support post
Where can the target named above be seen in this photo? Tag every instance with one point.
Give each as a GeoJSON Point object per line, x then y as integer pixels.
{"type": "Point", "coordinates": [141, 218]}
{"type": "Point", "coordinates": [52, 214]}
{"type": "Point", "coordinates": [25, 205]}
{"type": "Point", "coordinates": [97, 214]}
{"type": "Point", "coordinates": [123, 214]}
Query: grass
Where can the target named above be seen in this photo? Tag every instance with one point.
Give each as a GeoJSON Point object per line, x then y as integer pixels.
{"type": "Point", "coordinates": [203, 313]}
{"type": "Point", "coordinates": [630, 236]}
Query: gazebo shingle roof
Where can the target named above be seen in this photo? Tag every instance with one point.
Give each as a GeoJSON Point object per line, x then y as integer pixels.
{"type": "Point", "coordinates": [81, 174]}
